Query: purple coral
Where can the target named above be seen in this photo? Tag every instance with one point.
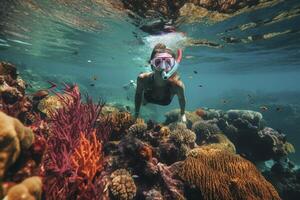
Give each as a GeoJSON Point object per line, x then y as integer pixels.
{"type": "Point", "coordinates": [61, 181]}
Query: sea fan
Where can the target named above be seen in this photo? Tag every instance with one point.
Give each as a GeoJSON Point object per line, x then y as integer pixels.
{"type": "Point", "coordinates": [69, 126]}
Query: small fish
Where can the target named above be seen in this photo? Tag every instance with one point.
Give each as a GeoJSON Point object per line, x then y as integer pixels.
{"type": "Point", "coordinates": [94, 78]}
{"type": "Point", "coordinates": [189, 57]}
{"type": "Point", "coordinates": [263, 108]}
{"type": "Point", "coordinates": [128, 98]}
{"type": "Point", "coordinates": [195, 72]}
{"type": "Point", "coordinates": [278, 109]}
{"type": "Point", "coordinates": [135, 176]}
{"type": "Point", "coordinates": [224, 101]}
{"type": "Point", "coordinates": [92, 84]}
{"type": "Point", "coordinates": [89, 61]}
{"type": "Point", "coordinates": [200, 85]}
{"type": "Point", "coordinates": [190, 77]}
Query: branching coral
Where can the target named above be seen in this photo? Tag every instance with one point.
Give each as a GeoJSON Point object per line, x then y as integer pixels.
{"type": "Point", "coordinates": [87, 159]}
{"type": "Point", "coordinates": [219, 174]}
{"type": "Point", "coordinates": [14, 137]}
{"type": "Point", "coordinates": [62, 180]}
{"type": "Point", "coordinates": [122, 185]}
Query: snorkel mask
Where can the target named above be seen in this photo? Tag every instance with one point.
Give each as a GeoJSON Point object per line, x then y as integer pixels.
{"type": "Point", "coordinates": [167, 64]}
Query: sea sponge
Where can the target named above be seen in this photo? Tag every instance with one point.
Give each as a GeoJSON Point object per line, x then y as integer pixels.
{"type": "Point", "coordinates": [137, 130]}
{"type": "Point", "coordinates": [14, 137]}
{"type": "Point", "coordinates": [29, 189]}
{"type": "Point", "coordinates": [219, 174]}
{"type": "Point", "coordinates": [203, 129]}
{"type": "Point", "coordinates": [122, 185]}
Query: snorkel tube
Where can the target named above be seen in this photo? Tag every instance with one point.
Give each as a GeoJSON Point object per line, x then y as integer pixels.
{"type": "Point", "coordinates": [167, 75]}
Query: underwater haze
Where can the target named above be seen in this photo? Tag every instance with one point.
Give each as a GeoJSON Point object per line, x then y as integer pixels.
{"type": "Point", "coordinates": [247, 60]}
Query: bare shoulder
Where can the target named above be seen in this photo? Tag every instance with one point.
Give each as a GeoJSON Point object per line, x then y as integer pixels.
{"type": "Point", "coordinates": [144, 76]}
{"type": "Point", "coordinates": [176, 82]}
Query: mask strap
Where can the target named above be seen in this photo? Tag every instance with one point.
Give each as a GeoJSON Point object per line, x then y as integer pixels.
{"type": "Point", "coordinates": [179, 55]}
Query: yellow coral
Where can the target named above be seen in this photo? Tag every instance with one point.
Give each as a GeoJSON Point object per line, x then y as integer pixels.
{"type": "Point", "coordinates": [219, 174]}
{"type": "Point", "coordinates": [122, 185]}
{"type": "Point", "coordinates": [29, 189]}
{"type": "Point", "coordinates": [289, 148]}
{"type": "Point", "coordinates": [220, 141]}
{"type": "Point", "coordinates": [49, 104]}
{"type": "Point", "coordinates": [14, 137]}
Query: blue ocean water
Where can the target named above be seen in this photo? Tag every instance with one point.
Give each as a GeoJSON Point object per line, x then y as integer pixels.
{"type": "Point", "coordinates": [254, 60]}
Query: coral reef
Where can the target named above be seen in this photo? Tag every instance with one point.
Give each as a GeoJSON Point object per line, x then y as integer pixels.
{"type": "Point", "coordinates": [14, 138]}
{"type": "Point", "coordinates": [218, 174]}
{"type": "Point", "coordinates": [84, 150]}
{"type": "Point", "coordinates": [13, 100]}
{"type": "Point", "coordinates": [122, 185]}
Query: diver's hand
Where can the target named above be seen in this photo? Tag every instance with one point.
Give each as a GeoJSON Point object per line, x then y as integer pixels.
{"type": "Point", "coordinates": [183, 118]}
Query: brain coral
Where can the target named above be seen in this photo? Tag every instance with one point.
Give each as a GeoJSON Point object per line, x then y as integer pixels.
{"type": "Point", "coordinates": [122, 185]}
{"type": "Point", "coordinates": [218, 174]}
{"type": "Point", "coordinates": [137, 129]}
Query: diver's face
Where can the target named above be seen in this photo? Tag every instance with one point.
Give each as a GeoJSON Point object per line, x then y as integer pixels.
{"type": "Point", "coordinates": [163, 62]}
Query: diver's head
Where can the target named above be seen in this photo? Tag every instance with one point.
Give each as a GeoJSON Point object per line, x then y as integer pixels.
{"type": "Point", "coordinates": [164, 60]}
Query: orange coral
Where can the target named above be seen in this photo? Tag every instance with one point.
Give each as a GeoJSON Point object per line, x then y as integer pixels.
{"type": "Point", "coordinates": [219, 174]}
{"type": "Point", "coordinates": [87, 159]}
{"type": "Point", "coordinates": [200, 112]}
{"type": "Point", "coordinates": [146, 152]}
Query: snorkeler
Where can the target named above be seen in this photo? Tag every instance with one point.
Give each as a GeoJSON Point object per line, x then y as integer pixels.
{"type": "Point", "coordinates": [160, 85]}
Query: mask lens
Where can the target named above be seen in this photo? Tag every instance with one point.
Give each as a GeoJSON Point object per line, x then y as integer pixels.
{"type": "Point", "coordinates": [157, 62]}
{"type": "Point", "coordinates": [168, 62]}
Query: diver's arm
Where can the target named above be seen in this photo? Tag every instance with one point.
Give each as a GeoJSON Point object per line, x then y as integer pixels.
{"type": "Point", "coordinates": [181, 100]}
{"type": "Point", "coordinates": [138, 96]}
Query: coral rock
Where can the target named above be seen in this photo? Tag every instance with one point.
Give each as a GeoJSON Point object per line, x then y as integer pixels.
{"type": "Point", "coordinates": [14, 137]}
{"type": "Point", "coordinates": [122, 185]}
{"type": "Point", "coordinates": [29, 189]}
